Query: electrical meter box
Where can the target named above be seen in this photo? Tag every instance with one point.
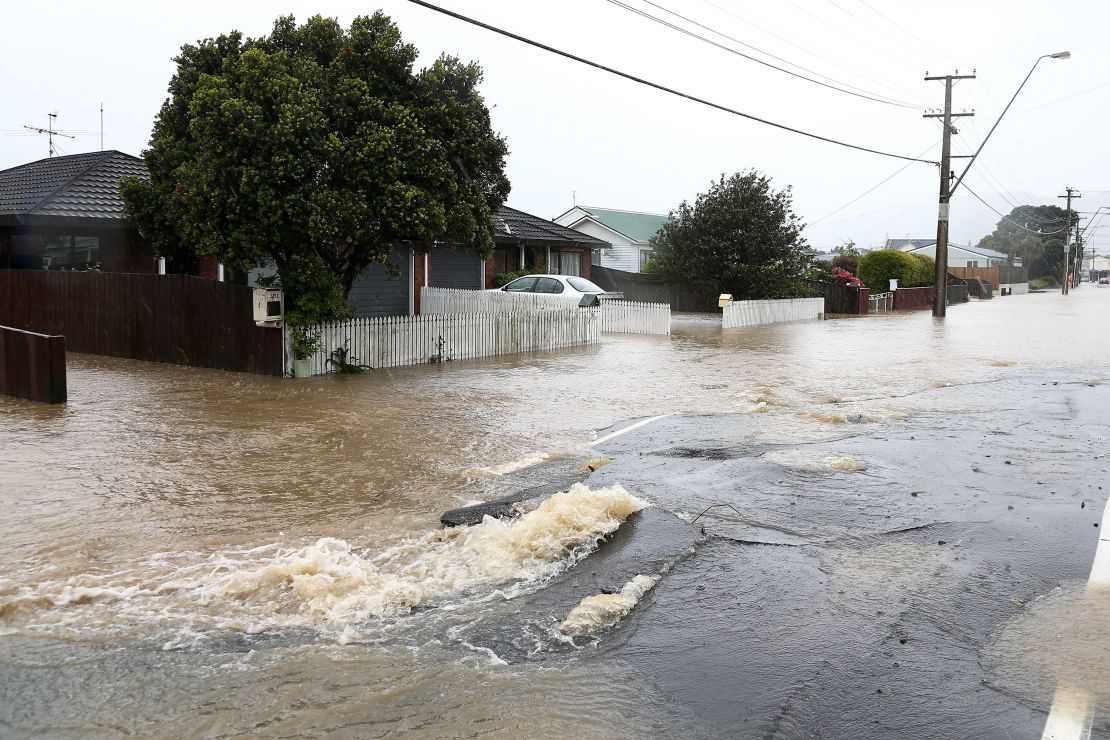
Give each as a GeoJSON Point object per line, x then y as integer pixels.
{"type": "Point", "coordinates": [269, 307]}
{"type": "Point", "coordinates": [724, 300]}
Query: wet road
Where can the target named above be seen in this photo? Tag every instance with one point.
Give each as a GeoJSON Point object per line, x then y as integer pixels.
{"type": "Point", "coordinates": [189, 552]}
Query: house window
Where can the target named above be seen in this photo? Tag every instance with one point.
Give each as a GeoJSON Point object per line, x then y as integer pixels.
{"type": "Point", "coordinates": [70, 252]}
{"type": "Point", "coordinates": [645, 255]}
{"type": "Point", "coordinates": [570, 263]}
{"type": "Point", "coordinates": [972, 263]}
{"type": "Point", "coordinates": [595, 257]}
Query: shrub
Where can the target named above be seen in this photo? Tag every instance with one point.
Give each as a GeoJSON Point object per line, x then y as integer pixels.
{"type": "Point", "coordinates": [1043, 283]}
{"type": "Point", "coordinates": [847, 262]}
{"type": "Point", "coordinates": [877, 268]}
{"type": "Point", "coordinates": [925, 272]}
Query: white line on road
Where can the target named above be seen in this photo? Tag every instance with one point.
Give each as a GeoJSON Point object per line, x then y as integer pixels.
{"type": "Point", "coordinates": [629, 428]}
{"type": "Point", "coordinates": [1072, 711]}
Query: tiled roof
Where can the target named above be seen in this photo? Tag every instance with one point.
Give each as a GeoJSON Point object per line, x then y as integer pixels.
{"type": "Point", "coordinates": [78, 185]}
{"type": "Point", "coordinates": [636, 226]}
{"type": "Point", "coordinates": [513, 225]}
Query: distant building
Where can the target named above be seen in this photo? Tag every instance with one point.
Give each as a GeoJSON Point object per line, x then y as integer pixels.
{"type": "Point", "coordinates": [958, 255]}
{"type": "Point", "coordinates": [629, 233]}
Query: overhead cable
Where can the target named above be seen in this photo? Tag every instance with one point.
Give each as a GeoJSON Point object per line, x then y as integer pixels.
{"type": "Point", "coordinates": [657, 86]}
{"type": "Point", "coordinates": [862, 94]}
{"type": "Point", "coordinates": [1007, 218]}
{"type": "Point", "coordinates": [882, 182]}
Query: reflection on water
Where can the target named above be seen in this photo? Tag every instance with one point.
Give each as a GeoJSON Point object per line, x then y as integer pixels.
{"type": "Point", "coordinates": [246, 493]}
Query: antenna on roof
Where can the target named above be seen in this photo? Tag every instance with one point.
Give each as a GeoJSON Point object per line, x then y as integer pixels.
{"type": "Point", "coordinates": [101, 125]}
{"type": "Point", "coordinates": [574, 197]}
{"type": "Point", "coordinates": [49, 131]}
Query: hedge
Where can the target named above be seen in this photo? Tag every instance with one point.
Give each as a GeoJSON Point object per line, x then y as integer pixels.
{"type": "Point", "coordinates": [876, 269]}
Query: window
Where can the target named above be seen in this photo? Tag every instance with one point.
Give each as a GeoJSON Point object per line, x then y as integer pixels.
{"type": "Point", "coordinates": [70, 252]}
{"type": "Point", "coordinates": [521, 285]}
{"type": "Point", "coordinates": [645, 255]}
{"type": "Point", "coordinates": [570, 263]}
{"type": "Point", "coordinates": [972, 263]}
{"type": "Point", "coordinates": [548, 285]}
{"type": "Point", "coordinates": [582, 285]}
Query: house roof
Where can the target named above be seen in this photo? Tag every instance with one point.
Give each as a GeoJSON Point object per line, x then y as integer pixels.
{"type": "Point", "coordinates": [511, 225]}
{"type": "Point", "coordinates": [908, 244]}
{"type": "Point", "coordinates": [637, 226]}
{"type": "Point", "coordinates": [911, 244]}
{"type": "Point", "coordinates": [73, 186]}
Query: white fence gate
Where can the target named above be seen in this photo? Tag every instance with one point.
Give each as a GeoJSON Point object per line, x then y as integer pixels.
{"type": "Point", "coordinates": [393, 341]}
{"type": "Point", "coordinates": [880, 302]}
{"type": "Point", "coordinates": [634, 317]}
{"type": "Point", "coordinates": [629, 317]}
{"type": "Point", "coordinates": [755, 313]}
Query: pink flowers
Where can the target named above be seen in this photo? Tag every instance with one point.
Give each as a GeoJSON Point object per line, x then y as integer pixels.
{"type": "Point", "coordinates": [841, 276]}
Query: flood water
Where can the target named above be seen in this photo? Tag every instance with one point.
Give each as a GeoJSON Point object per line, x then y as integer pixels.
{"type": "Point", "coordinates": [187, 552]}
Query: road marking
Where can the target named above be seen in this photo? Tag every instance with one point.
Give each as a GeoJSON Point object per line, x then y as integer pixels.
{"type": "Point", "coordinates": [629, 428]}
{"type": "Point", "coordinates": [1072, 711]}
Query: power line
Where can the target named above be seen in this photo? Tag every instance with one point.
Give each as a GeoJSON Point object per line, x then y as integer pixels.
{"type": "Point", "coordinates": [862, 94]}
{"type": "Point", "coordinates": [656, 85]}
{"type": "Point", "coordinates": [809, 50]}
{"type": "Point", "coordinates": [913, 37]}
{"type": "Point", "coordinates": [1007, 218]}
{"type": "Point", "coordinates": [870, 190]}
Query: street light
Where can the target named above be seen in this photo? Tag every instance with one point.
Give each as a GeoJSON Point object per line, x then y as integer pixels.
{"type": "Point", "coordinates": [1057, 55]}
{"type": "Point", "coordinates": [941, 281]}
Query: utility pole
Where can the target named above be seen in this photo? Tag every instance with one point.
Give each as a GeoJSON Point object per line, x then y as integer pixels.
{"type": "Point", "coordinates": [1071, 193]}
{"type": "Point", "coordinates": [946, 175]}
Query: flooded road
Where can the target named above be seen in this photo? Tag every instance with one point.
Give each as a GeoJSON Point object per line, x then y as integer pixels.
{"type": "Point", "coordinates": [190, 552]}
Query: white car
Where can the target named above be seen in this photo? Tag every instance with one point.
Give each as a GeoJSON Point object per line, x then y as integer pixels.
{"type": "Point", "coordinates": [570, 287]}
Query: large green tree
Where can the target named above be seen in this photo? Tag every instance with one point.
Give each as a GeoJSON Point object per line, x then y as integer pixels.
{"type": "Point", "coordinates": [1035, 234]}
{"type": "Point", "coordinates": [319, 148]}
{"type": "Point", "coordinates": [739, 237]}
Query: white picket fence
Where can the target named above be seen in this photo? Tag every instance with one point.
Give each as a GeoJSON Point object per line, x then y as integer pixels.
{"type": "Point", "coordinates": [756, 313]}
{"type": "Point", "coordinates": [634, 317]}
{"type": "Point", "coordinates": [393, 341]}
{"type": "Point", "coordinates": [630, 317]}
{"type": "Point", "coordinates": [457, 300]}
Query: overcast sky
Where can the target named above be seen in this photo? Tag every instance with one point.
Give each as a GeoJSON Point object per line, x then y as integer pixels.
{"type": "Point", "coordinates": [574, 129]}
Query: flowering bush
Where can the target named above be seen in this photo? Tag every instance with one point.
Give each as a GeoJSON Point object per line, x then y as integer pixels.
{"type": "Point", "coordinates": [841, 276]}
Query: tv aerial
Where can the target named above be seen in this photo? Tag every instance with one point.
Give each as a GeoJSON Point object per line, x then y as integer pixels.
{"type": "Point", "coordinates": [50, 131]}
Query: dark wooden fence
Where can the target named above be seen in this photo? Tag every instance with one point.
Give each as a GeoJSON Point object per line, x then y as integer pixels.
{"type": "Point", "coordinates": [841, 298]}
{"type": "Point", "coordinates": [179, 319]}
{"type": "Point", "coordinates": [649, 288]}
{"type": "Point", "coordinates": [32, 366]}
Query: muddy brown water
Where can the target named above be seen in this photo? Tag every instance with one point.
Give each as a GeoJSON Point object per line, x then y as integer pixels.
{"type": "Point", "coordinates": [190, 552]}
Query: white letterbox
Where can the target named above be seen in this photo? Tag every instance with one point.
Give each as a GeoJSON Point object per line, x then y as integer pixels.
{"type": "Point", "coordinates": [269, 307]}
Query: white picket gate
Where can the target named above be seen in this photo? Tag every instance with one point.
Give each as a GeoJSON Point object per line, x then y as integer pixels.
{"type": "Point", "coordinates": [756, 313]}
{"type": "Point", "coordinates": [631, 317]}
{"type": "Point", "coordinates": [393, 341]}
{"type": "Point", "coordinates": [634, 317]}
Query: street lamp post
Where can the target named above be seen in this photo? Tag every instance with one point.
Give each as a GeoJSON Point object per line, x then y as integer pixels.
{"type": "Point", "coordinates": [942, 228]}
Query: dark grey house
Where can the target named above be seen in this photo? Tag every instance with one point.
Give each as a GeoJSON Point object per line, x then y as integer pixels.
{"type": "Point", "coordinates": [66, 213]}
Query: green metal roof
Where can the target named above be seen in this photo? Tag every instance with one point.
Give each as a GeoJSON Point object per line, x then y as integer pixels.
{"type": "Point", "coordinates": [637, 226]}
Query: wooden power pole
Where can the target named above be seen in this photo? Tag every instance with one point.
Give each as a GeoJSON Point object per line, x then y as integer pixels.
{"type": "Point", "coordinates": [946, 174]}
{"type": "Point", "coordinates": [1071, 193]}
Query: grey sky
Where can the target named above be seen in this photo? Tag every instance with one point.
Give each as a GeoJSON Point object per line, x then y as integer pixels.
{"type": "Point", "coordinates": [617, 144]}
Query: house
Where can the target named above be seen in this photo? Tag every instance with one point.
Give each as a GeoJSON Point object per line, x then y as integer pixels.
{"type": "Point", "coordinates": [521, 241]}
{"type": "Point", "coordinates": [958, 255]}
{"type": "Point", "coordinates": [628, 231]}
{"type": "Point", "coordinates": [66, 213]}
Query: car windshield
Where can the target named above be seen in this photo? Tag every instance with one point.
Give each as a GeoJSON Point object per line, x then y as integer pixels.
{"type": "Point", "coordinates": [521, 285]}
{"type": "Point", "coordinates": [582, 285]}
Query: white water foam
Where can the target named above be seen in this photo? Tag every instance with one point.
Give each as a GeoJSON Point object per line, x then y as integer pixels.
{"type": "Point", "coordinates": [600, 612]}
{"type": "Point", "coordinates": [330, 585]}
{"type": "Point", "coordinates": [815, 462]}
